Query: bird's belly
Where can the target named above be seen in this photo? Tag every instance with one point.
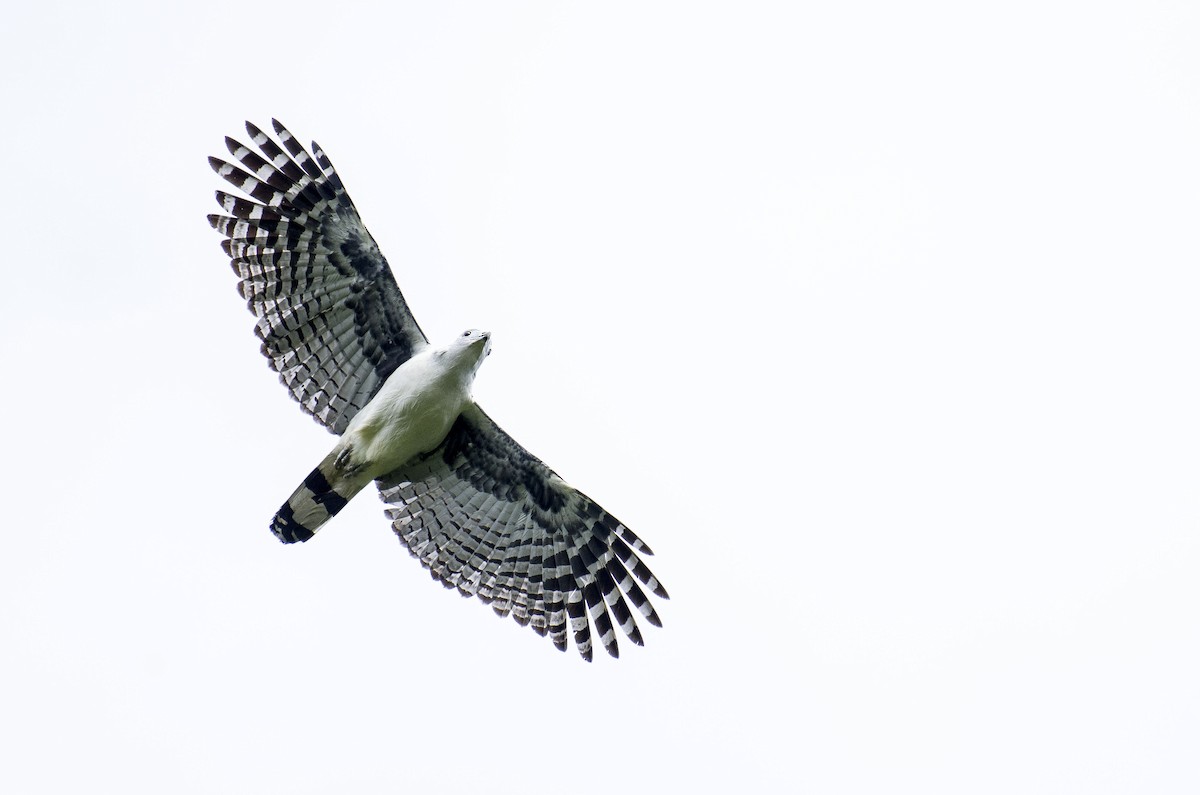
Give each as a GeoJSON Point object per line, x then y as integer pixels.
{"type": "Point", "coordinates": [419, 426]}
{"type": "Point", "coordinates": [407, 418]}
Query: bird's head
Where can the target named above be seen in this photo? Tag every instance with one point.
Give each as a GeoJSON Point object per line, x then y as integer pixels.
{"type": "Point", "coordinates": [470, 348]}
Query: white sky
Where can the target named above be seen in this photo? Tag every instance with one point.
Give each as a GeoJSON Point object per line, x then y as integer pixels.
{"type": "Point", "coordinates": [878, 321]}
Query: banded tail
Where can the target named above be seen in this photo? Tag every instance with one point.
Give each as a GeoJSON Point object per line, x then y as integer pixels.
{"type": "Point", "coordinates": [313, 503]}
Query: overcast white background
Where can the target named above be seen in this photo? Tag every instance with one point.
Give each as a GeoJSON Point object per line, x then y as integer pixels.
{"type": "Point", "coordinates": [878, 321]}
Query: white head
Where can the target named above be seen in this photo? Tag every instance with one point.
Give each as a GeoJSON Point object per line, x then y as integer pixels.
{"type": "Point", "coordinates": [468, 350]}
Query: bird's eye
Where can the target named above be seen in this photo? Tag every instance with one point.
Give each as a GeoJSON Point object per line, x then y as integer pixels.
{"type": "Point", "coordinates": [466, 333]}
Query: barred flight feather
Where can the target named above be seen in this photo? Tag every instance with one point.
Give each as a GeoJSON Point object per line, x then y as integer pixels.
{"type": "Point", "coordinates": [569, 568]}
{"type": "Point", "coordinates": [304, 231]}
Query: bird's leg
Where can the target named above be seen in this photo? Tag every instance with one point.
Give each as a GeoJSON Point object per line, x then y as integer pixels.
{"type": "Point", "coordinates": [343, 464]}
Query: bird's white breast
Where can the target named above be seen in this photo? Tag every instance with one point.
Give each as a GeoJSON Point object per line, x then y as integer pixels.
{"type": "Point", "coordinates": [411, 414]}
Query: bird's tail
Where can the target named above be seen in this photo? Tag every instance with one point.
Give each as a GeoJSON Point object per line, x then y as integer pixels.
{"type": "Point", "coordinates": [313, 503]}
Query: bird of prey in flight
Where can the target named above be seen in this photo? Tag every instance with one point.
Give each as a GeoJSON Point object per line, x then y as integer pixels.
{"type": "Point", "coordinates": [477, 509]}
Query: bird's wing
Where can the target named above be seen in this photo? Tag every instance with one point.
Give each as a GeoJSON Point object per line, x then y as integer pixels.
{"type": "Point", "coordinates": [488, 518]}
{"type": "Point", "coordinates": [331, 318]}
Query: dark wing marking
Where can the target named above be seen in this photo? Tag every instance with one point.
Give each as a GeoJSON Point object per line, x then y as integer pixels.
{"type": "Point", "coordinates": [486, 517]}
{"type": "Point", "coordinates": [331, 318]}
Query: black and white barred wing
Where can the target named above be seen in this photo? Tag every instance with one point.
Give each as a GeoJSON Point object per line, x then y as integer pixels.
{"type": "Point", "coordinates": [488, 518]}
{"type": "Point", "coordinates": [331, 318]}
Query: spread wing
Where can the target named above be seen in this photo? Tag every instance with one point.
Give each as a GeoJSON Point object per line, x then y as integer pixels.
{"type": "Point", "coordinates": [331, 318]}
{"type": "Point", "coordinates": [488, 518]}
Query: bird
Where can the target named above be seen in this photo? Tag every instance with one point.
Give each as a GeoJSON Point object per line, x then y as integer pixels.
{"type": "Point", "coordinates": [481, 513]}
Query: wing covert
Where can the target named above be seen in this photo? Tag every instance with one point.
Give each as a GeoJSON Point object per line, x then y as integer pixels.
{"type": "Point", "coordinates": [488, 518]}
{"type": "Point", "coordinates": [332, 320]}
